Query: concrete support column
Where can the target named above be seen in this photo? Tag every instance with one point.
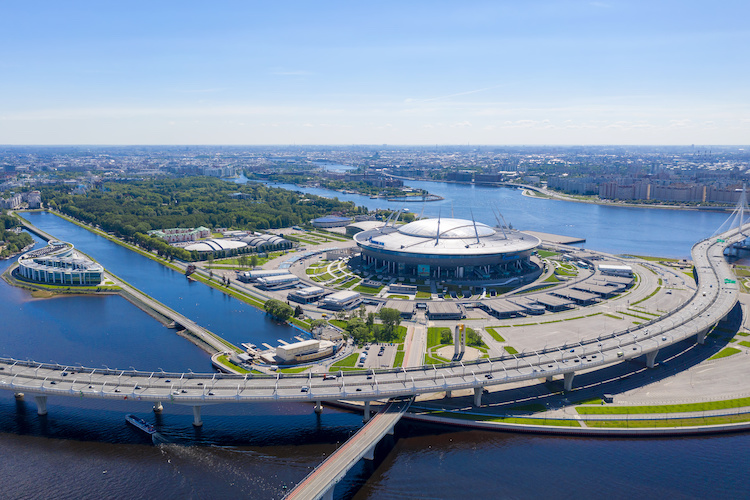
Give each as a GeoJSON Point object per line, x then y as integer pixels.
{"type": "Point", "coordinates": [328, 495]}
{"type": "Point", "coordinates": [568, 381]}
{"type": "Point", "coordinates": [41, 404]}
{"type": "Point", "coordinates": [370, 453]}
{"type": "Point", "coordinates": [158, 407]}
{"type": "Point", "coordinates": [197, 416]}
{"type": "Point", "coordinates": [701, 337]}
{"type": "Point", "coordinates": [366, 416]}
{"type": "Point", "coordinates": [19, 396]}
{"type": "Point", "coordinates": [390, 432]}
{"type": "Point", "coordinates": [549, 378]}
{"type": "Point", "coordinates": [478, 396]}
{"type": "Point", "coordinates": [651, 358]}
{"type": "Point", "coordinates": [448, 394]}
{"type": "Point", "coordinates": [318, 407]}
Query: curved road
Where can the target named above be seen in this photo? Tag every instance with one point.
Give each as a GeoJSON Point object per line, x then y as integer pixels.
{"type": "Point", "coordinates": [715, 296]}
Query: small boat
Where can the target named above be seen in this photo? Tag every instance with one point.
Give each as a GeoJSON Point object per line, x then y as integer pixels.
{"type": "Point", "coordinates": [141, 424]}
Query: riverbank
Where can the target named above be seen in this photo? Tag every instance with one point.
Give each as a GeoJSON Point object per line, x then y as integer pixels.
{"type": "Point", "coordinates": [547, 194]}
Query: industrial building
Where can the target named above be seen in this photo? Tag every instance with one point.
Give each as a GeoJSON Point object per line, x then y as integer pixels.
{"type": "Point", "coordinates": [447, 248]}
{"type": "Point", "coordinates": [278, 282]}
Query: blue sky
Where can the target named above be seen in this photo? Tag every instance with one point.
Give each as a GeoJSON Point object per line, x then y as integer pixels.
{"type": "Point", "coordinates": [497, 72]}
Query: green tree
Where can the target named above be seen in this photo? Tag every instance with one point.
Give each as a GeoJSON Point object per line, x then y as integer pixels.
{"type": "Point", "coordinates": [473, 338]}
{"type": "Point", "coordinates": [298, 312]}
{"type": "Point", "coordinates": [446, 336]}
{"type": "Point", "coordinates": [390, 318]}
{"type": "Point", "coordinates": [253, 260]}
{"type": "Point", "coordinates": [278, 309]}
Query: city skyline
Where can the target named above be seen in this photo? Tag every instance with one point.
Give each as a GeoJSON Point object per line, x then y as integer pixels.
{"type": "Point", "coordinates": [570, 72]}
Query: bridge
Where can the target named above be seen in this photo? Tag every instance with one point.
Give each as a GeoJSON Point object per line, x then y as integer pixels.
{"type": "Point", "coordinates": [321, 481]}
{"type": "Point", "coordinates": [716, 295]}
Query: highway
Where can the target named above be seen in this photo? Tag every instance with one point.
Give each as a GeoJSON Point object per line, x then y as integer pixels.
{"type": "Point", "coordinates": [716, 295]}
{"type": "Point", "coordinates": [321, 481]}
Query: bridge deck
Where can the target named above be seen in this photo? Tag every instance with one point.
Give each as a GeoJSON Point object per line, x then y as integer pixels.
{"type": "Point", "coordinates": [320, 482]}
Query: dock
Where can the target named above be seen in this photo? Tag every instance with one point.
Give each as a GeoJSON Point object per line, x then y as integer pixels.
{"type": "Point", "coordinates": [556, 238]}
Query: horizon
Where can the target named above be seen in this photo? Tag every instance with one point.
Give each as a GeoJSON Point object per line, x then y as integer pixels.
{"type": "Point", "coordinates": [547, 73]}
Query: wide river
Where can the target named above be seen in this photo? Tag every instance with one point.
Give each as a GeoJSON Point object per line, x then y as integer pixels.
{"type": "Point", "coordinates": [83, 449]}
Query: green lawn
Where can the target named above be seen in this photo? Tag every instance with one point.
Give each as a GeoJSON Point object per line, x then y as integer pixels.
{"type": "Point", "coordinates": [494, 334]}
{"type": "Point", "coordinates": [724, 353]}
{"type": "Point", "coordinates": [367, 290]}
{"type": "Point", "coordinates": [433, 336]}
{"type": "Point", "coordinates": [508, 420]}
{"type": "Point", "coordinates": [295, 369]}
{"type": "Point", "coordinates": [672, 422]}
{"type": "Point", "coordinates": [423, 295]}
{"type": "Point", "coordinates": [399, 360]}
{"type": "Point", "coordinates": [675, 408]}
{"type": "Point", "coordinates": [510, 350]}
{"type": "Point", "coordinates": [744, 343]}
{"type": "Point", "coordinates": [348, 361]}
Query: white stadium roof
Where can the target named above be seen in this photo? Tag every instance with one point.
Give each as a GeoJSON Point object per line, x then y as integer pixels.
{"type": "Point", "coordinates": [456, 237]}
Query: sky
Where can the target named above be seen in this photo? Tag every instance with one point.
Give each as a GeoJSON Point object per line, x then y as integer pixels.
{"type": "Point", "coordinates": [502, 72]}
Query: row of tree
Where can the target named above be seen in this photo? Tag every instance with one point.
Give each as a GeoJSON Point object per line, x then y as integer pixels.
{"type": "Point", "coordinates": [127, 208]}
{"type": "Point", "coordinates": [12, 242]}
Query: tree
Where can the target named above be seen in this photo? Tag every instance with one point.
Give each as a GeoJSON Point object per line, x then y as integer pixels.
{"type": "Point", "coordinates": [278, 309]}
{"type": "Point", "coordinates": [362, 311]}
{"type": "Point", "coordinates": [391, 318]}
{"type": "Point", "coordinates": [446, 336]}
{"type": "Point", "coordinates": [370, 322]}
{"type": "Point", "coordinates": [253, 260]}
{"type": "Point", "coordinates": [473, 338]}
{"type": "Point", "coordinates": [298, 312]}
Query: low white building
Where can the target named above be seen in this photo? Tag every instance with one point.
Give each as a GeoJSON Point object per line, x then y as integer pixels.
{"type": "Point", "coordinates": [59, 264]}
{"type": "Point", "coordinates": [616, 270]}
{"type": "Point", "coordinates": [342, 300]}
{"type": "Point", "coordinates": [307, 350]}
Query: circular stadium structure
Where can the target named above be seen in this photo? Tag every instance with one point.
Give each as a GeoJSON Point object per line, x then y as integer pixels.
{"type": "Point", "coordinates": [447, 248]}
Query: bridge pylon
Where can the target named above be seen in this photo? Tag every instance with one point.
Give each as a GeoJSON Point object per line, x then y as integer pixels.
{"type": "Point", "coordinates": [738, 218]}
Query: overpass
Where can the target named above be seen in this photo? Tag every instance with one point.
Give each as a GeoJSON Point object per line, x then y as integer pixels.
{"type": "Point", "coordinates": [321, 481]}
{"type": "Point", "coordinates": [716, 295]}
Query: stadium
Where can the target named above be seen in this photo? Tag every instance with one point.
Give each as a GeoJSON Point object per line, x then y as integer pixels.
{"type": "Point", "coordinates": [447, 249]}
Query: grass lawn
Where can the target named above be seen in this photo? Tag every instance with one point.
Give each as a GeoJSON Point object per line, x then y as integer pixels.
{"type": "Point", "coordinates": [224, 360]}
{"type": "Point", "coordinates": [399, 359]}
{"type": "Point", "coordinates": [295, 369]}
{"type": "Point", "coordinates": [494, 334]}
{"type": "Point", "coordinates": [367, 290]}
{"type": "Point", "coordinates": [744, 343]}
{"type": "Point", "coordinates": [348, 361]}
{"type": "Point", "coordinates": [546, 253]}
{"type": "Point", "coordinates": [724, 353]}
{"type": "Point", "coordinates": [508, 420]}
{"type": "Point", "coordinates": [510, 350]}
{"type": "Point", "coordinates": [672, 422]}
{"type": "Point", "coordinates": [433, 336]}
{"type": "Point", "coordinates": [676, 408]}
{"type": "Point", "coordinates": [423, 295]}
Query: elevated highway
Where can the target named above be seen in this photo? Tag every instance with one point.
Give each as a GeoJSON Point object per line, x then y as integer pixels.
{"type": "Point", "coordinates": [716, 295]}
{"type": "Point", "coordinates": [321, 481]}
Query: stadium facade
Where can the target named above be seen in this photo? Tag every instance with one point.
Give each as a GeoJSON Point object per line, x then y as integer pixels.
{"type": "Point", "coordinates": [447, 248]}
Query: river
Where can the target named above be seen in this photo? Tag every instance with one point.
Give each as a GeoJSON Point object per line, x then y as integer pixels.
{"type": "Point", "coordinates": [606, 228]}
{"type": "Point", "coordinates": [83, 449]}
